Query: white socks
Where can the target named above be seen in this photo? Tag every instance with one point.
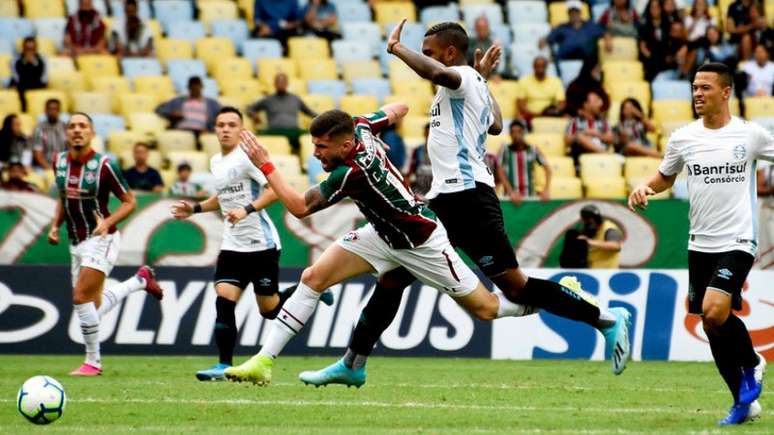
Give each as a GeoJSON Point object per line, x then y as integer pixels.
{"type": "Point", "coordinates": [511, 309]}
{"type": "Point", "coordinates": [89, 319]}
{"type": "Point", "coordinates": [291, 318]}
{"type": "Point", "coordinates": [112, 296]}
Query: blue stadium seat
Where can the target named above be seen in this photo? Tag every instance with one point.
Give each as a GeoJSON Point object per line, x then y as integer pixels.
{"type": "Point", "coordinates": [135, 66]}
{"type": "Point", "coordinates": [569, 70]}
{"type": "Point", "coordinates": [170, 11]}
{"type": "Point", "coordinates": [529, 32]}
{"type": "Point", "coordinates": [255, 49]}
{"type": "Point", "coordinates": [236, 30]}
{"type": "Point", "coordinates": [473, 11]}
{"type": "Point", "coordinates": [211, 89]}
{"type": "Point", "coordinates": [16, 28]}
{"type": "Point", "coordinates": [105, 124]}
{"type": "Point", "coordinates": [361, 32]}
{"type": "Point", "coordinates": [437, 14]}
{"type": "Point", "coordinates": [411, 36]}
{"type": "Point", "coordinates": [597, 10]}
{"type": "Point", "coordinates": [347, 51]}
{"type": "Point", "coordinates": [334, 88]}
{"type": "Point", "coordinates": [527, 11]}
{"type": "Point", "coordinates": [672, 90]}
{"type": "Point", "coordinates": [144, 9]}
{"type": "Point", "coordinates": [523, 56]}
{"type": "Point", "coordinates": [502, 34]}
{"type": "Point", "coordinates": [188, 30]}
{"type": "Point", "coordinates": [99, 6]}
{"type": "Point", "coordinates": [379, 88]}
{"type": "Point", "coordinates": [7, 47]}
{"type": "Point", "coordinates": [353, 12]}
{"type": "Point", "coordinates": [51, 28]}
{"type": "Point", "coordinates": [181, 70]}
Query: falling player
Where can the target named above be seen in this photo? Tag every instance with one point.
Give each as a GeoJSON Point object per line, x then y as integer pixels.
{"type": "Point", "coordinates": [85, 179]}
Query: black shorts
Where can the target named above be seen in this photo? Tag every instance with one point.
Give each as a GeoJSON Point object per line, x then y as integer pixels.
{"type": "Point", "coordinates": [474, 221]}
{"type": "Point", "coordinates": [723, 271]}
{"type": "Point", "coordinates": [242, 268]}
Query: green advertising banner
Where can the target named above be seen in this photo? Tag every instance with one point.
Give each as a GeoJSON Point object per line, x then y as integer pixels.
{"type": "Point", "coordinates": [655, 238]}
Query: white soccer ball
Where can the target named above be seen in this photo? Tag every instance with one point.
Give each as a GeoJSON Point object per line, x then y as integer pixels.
{"type": "Point", "coordinates": [41, 400]}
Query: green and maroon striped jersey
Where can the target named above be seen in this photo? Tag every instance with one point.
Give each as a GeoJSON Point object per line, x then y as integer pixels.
{"type": "Point", "coordinates": [378, 189]}
{"type": "Point", "coordinates": [518, 165]}
{"type": "Point", "coordinates": [84, 188]}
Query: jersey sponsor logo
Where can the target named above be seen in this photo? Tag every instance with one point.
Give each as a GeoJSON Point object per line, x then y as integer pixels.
{"type": "Point", "coordinates": [725, 273]}
{"type": "Point", "coordinates": [234, 188]}
{"type": "Point", "coordinates": [740, 152]}
{"type": "Point", "coordinates": [351, 236]}
{"type": "Point", "coordinates": [436, 110]}
{"type": "Point", "coordinates": [715, 174]}
{"type": "Point", "coordinates": [451, 180]}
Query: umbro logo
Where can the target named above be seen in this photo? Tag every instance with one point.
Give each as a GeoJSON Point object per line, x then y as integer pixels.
{"type": "Point", "coordinates": [264, 282]}
{"type": "Point", "coordinates": [487, 260]}
{"type": "Point", "coordinates": [725, 273]}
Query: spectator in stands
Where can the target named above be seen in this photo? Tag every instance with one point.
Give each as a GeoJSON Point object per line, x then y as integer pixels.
{"type": "Point", "coordinates": [16, 182]}
{"type": "Point", "coordinates": [740, 24]}
{"type": "Point", "coordinates": [142, 177]}
{"type": "Point", "coordinates": [699, 20]}
{"type": "Point", "coordinates": [517, 164]}
{"type": "Point", "coordinates": [760, 74]}
{"type": "Point", "coordinates": [631, 132]}
{"type": "Point", "coordinates": [85, 31]}
{"type": "Point", "coordinates": [183, 187]}
{"type": "Point", "coordinates": [603, 237]}
{"type": "Point", "coordinates": [714, 49]}
{"type": "Point", "coordinates": [763, 34]}
{"type": "Point", "coordinates": [589, 79]}
{"type": "Point", "coordinates": [652, 40]}
{"type": "Point", "coordinates": [279, 19]}
{"type": "Point", "coordinates": [675, 65]}
{"type": "Point", "coordinates": [193, 112]}
{"type": "Point", "coordinates": [420, 172]}
{"type": "Point", "coordinates": [396, 148]}
{"type": "Point", "coordinates": [14, 145]}
{"type": "Point", "coordinates": [671, 12]}
{"type": "Point", "coordinates": [620, 19]}
{"type": "Point", "coordinates": [132, 37]}
{"type": "Point", "coordinates": [281, 112]}
{"type": "Point", "coordinates": [482, 40]}
{"type": "Point", "coordinates": [321, 19]}
{"type": "Point", "coordinates": [49, 136]}
{"type": "Point", "coordinates": [589, 132]}
{"type": "Point", "coordinates": [577, 39]}
{"type": "Point", "coordinates": [29, 70]}
{"type": "Point", "coordinates": [540, 94]}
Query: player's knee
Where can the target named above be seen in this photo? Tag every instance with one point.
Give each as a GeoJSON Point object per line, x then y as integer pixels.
{"type": "Point", "coordinates": [485, 313]}
{"type": "Point", "coordinates": [714, 317]}
{"type": "Point", "coordinates": [313, 278]}
{"type": "Point", "coordinates": [80, 297]}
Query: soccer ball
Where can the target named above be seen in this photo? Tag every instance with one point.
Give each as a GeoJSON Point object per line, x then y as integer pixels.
{"type": "Point", "coordinates": [41, 400]}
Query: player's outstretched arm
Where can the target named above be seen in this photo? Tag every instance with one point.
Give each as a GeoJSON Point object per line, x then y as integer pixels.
{"type": "Point", "coordinates": [185, 209]}
{"type": "Point", "coordinates": [487, 62]}
{"type": "Point", "coordinates": [657, 184]}
{"type": "Point", "coordinates": [427, 67]}
{"type": "Point", "coordinates": [267, 198]}
{"type": "Point", "coordinates": [395, 111]}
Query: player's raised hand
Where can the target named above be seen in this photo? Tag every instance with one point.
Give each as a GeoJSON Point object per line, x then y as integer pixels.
{"type": "Point", "coordinates": [487, 62]}
{"type": "Point", "coordinates": [182, 210]}
{"type": "Point", "coordinates": [103, 227]}
{"type": "Point", "coordinates": [254, 150]}
{"type": "Point", "coordinates": [53, 235]}
{"type": "Point", "coordinates": [235, 215]}
{"type": "Point", "coordinates": [394, 38]}
{"type": "Point", "coordinates": [639, 197]}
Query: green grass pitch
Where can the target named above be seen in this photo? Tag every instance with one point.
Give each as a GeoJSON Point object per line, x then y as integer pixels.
{"type": "Point", "coordinates": [402, 395]}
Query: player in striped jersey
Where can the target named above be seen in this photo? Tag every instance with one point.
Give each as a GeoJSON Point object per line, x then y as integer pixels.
{"type": "Point", "coordinates": [517, 161]}
{"type": "Point", "coordinates": [85, 179]}
{"type": "Point", "coordinates": [401, 231]}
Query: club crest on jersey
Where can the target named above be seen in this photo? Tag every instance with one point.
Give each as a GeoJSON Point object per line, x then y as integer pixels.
{"type": "Point", "coordinates": [62, 162]}
{"type": "Point", "coordinates": [740, 152]}
{"type": "Point", "coordinates": [351, 236]}
{"type": "Point", "coordinates": [90, 177]}
{"type": "Point", "coordinates": [232, 173]}
{"type": "Point", "coordinates": [92, 165]}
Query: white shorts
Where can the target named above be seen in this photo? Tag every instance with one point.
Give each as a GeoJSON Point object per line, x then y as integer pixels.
{"type": "Point", "coordinates": [98, 253]}
{"type": "Point", "coordinates": [435, 262]}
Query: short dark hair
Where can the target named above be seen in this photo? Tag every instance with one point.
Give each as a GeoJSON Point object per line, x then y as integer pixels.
{"type": "Point", "coordinates": [518, 123]}
{"type": "Point", "coordinates": [29, 39]}
{"type": "Point", "coordinates": [130, 2]}
{"type": "Point", "coordinates": [721, 69]}
{"type": "Point", "coordinates": [194, 79]}
{"type": "Point", "coordinates": [85, 115]}
{"type": "Point", "coordinates": [333, 122]}
{"type": "Point", "coordinates": [141, 144]}
{"type": "Point", "coordinates": [183, 165]}
{"type": "Point", "coordinates": [591, 211]}
{"type": "Point", "coordinates": [229, 109]}
{"type": "Point", "coordinates": [635, 102]}
{"type": "Point", "coordinates": [53, 101]}
{"type": "Point", "coordinates": [450, 33]}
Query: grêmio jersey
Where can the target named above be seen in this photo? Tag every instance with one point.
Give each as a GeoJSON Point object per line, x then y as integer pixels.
{"type": "Point", "coordinates": [721, 181]}
{"type": "Point", "coordinates": [84, 187]}
{"type": "Point", "coordinates": [459, 121]}
{"type": "Point", "coordinates": [378, 189]}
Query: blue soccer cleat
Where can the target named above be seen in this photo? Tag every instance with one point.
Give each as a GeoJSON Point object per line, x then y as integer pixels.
{"type": "Point", "coordinates": [752, 382]}
{"type": "Point", "coordinates": [617, 339]}
{"type": "Point", "coordinates": [736, 415]}
{"type": "Point", "coordinates": [336, 373]}
{"type": "Point", "coordinates": [214, 373]}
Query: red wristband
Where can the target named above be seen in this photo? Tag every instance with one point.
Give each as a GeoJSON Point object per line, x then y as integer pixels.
{"type": "Point", "coordinates": [267, 168]}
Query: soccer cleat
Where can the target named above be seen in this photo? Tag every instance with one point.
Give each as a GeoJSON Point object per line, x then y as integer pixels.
{"type": "Point", "coordinates": [86, 370]}
{"type": "Point", "coordinates": [617, 339]}
{"type": "Point", "coordinates": [336, 373]}
{"type": "Point", "coordinates": [755, 411]}
{"type": "Point", "coordinates": [151, 285]}
{"type": "Point", "coordinates": [752, 382]}
{"type": "Point", "coordinates": [214, 373]}
{"type": "Point", "coordinates": [736, 415]}
{"type": "Point", "coordinates": [256, 370]}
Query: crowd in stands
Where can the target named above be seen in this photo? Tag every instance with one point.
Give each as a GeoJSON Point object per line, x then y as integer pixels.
{"type": "Point", "coordinates": [590, 90]}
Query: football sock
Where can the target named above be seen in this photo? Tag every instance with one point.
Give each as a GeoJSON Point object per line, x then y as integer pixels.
{"type": "Point", "coordinates": [225, 329]}
{"type": "Point", "coordinates": [508, 308]}
{"type": "Point", "coordinates": [722, 352]}
{"type": "Point", "coordinates": [375, 318]}
{"type": "Point", "coordinates": [112, 296]}
{"type": "Point", "coordinates": [89, 320]}
{"type": "Point", "coordinates": [560, 300]}
{"type": "Point", "coordinates": [353, 360]}
{"type": "Point", "coordinates": [292, 317]}
{"type": "Point", "coordinates": [606, 319]}
{"type": "Point", "coordinates": [283, 296]}
{"type": "Point", "coordinates": [744, 350]}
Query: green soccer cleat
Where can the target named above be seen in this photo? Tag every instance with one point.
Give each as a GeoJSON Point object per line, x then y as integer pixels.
{"type": "Point", "coordinates": [336, 373]}
{"type": "Point", "coordinates": [256, 370]}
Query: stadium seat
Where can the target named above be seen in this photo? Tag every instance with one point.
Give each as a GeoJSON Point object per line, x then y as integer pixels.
{"type": "Point", "coordinates": [353, 12]}
{"type": "Point", "coordinates": [529, 32]}
{"type": "Point", "coordinates": [67, 81]}
{"type": "Point", "coordinates": [307, 147]}
{"type": "Point", "coordinates": [28, 122]}
{"type": "Point", "coordinates": [361, 70]}
{"type": "Point", "coordinates": [544, 124]}
{"type": "Point", "coordinates": [120, 141]}
{"type": "Point", "coordinates": [16, 28]}
{"type": "Point", "coordinates": [639, 90]}
{"type": "Point", "coordinates": [561, 166]}
{"type": "Point", "coordinates": [92, 102]}
{"type": "Point", "coordinates": [276, 145]}
{"type": "Point", "coordinates": [134, 66]}
{"type": "Point", "coordinates": [269, 68]}
{"type": "Point", "coordinates": [288, 165]}
{"type": "Point", "coordinates": [173, 11]}
{"type": "Point", "coordinates": [334, 88]}
{"type": "Point", "coordinates": [181, 70]}
{"type": "Point", "coordinates": [756, 107]}
{"type": "Point", "coordinates": [413, 34]}
{"type": "Point", "coordinates": [212, 50]}
{"type": "Point", "coordinates": [418, 105]}
{"type": "Point", "coordinates": [161, 86]}
{"type": "Point", "coordinates": [43, 9]}
{"type": "Point", "coordinates": [36, 100]}
{"type": "Point", "coordinates": [71, 7]}
{"type": "Point", "coordinates": [527, 12]}
{"type": "Point", "coordinates": [61, 63]}
{"type": "Point", "coordinates": [176, 140]}
{"type": "Point", "coordinates": [640, 167]}
{"type": "Point", "coordinates": [380, 88]}
{"type": "Point", "coordinates": [126, 159]}
{"type": "Point", "coordinates": [364, 32]}
{"type": "Point", "coordinates": [394, 12]}
{"type": "Point", "coordinates": [198, 160]}
{"type": "Point", "coordinates": [317, 69]}
{"type": "Point", "coordinates": [523, 55]}
{"type": "Point", "coordinates": [210, 143]}
{"type": "Point", "coordinates": [187, 30]}
{"type": "Point", "coordinates": [569, 70]}
{"type": "Point", "coordinates": [345, 50]}
{"type": "Point", "coordinates": [235, 30]}
{"type": "Point", "coordinates": [105, 124]}
{"type": "Point", "coordinates": [412, 125]}
{"type": "Point", "coordinates": [632, 183]}
{"type": "Point", "coordinates": [295, 86]}
{"type": "Point", "coordinates": [318, 103]}
{"type": "Point", "coordinates": [7, 48]}
{"type": "Point", "coordinates": [9, 101]}
{"type": "Point", "coordinates": [600, 165]}
{"type": "Point", "coordinates": [236, 68]}
{"type": "Point", "coordinates": [217, 10]}
{"type": "Point", "coordinates": [398, 71]}
{"type": "Point", "coordinates": [605, 188]}
{"type": "Point", "coordinates": [255, 49]}
{"type": "Point", "coordinates": [551, 144]}
{"type": "Point", "coordinates": [672, 90]}
{"type": "Point", "coordinates": [566, 188]}
{"type": "Point", "coordinates": [307, 47]}
{"type": "Point", "coordinates": [557, 13]}
{"type": "Point", "coordinates": [492, 11]}
{"type": "Point", "coordinates": [137, 103]}
{"type": "Point", "coordinates": [623, 49]}
{"type": "Point", "coordinates": [416, 87]}
{"type": "Point", "coordinates": [98, 65]}
{"type": "Point", "coordinates": [672, 110]}
{"type": "Point", "coordinates": [439, 14]}
{"type": "Point", "coordinates": [239, 87]}
{"type": "Point", "coordinates": [173, 49]}
{"type": "Point", "coordinates": [359, 104]}
{"type": "Point", "coordinates": [622, 70]}
{"type": "Point", "coordinates": [51, 28]}
{"type": "Point", "coordinates": [9, 9]}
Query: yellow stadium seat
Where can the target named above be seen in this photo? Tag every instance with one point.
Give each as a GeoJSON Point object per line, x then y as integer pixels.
{"type": "Point", "coordinates": [394, 12]}
{"type": "Point", "coordinates": [398, 70]}
{"type": "Point", "coordinates": [295, 86]}
{"type": "Point", "coordinates": [217, 10]}
{"type": "Point", "coordinates": [545, 124]}
{"type": "Point", "coordinates": [505, 92]}
{"type": "Point", "coordinates": [240, 102]}
{"type": "Point", "coordinates": [358, 104]}
{"type": "Point", "coordinates": [176, 140]}
{"type": "Point", "coordinates": [413, 126]}
{"type": "Point", "coordinates": [600, 165]}
{"type": "Point", "coordinates": [92, 102]}
{"type": "Point", "coordinates": [120, 141]}
{"type": "Point", "coordinates": [550, 144]}
{"type": "Point", "coordinates": [137, 103]}
{"type": "Point", "coordinates": [9, 9]}
{"type": "Point", "coordinates": [235, 68]}
{"type": "Point", "coordinates": [307, 147]}
{"type": "Point", "coordinates": [605, 188]}
{"type": "Point", "coordinates": [494, 143]}
{"type": "Point", "coordinates": [558, 14]}
{"type": "Point", "coordinates": [668, 127]}
{"type": "Point", "coordinates": [366, 69]}
{"type": "Point", "coordinates": [308, 47]}
{"type": "Point", "coordinates": [214, 50]}
{"type": "Point", "coordinates": [422, 88]}
{"type": "Point", "coordinates": [277, 145]}
{"type": "Point", "coordinates": [5, 66]}
{"type": "Point", "coordinates": [43, 9]}
{"type": "Point", "coordinates": [632, 184]}
{"type": "Point", "coordinates": [733, 106]}
{"type": "Point", "coordinates": [640, 167]}
{"type": "Point", "coordinates": [622, 70]}
{"type": "Point", "coordinates": [46, 46]}
{"type": "Point", "coordinates": [160, 86]}
{"type": "Point", "coordinates": [561, 166]}
{"type": "Point", "coordinates": [249, 88]}
{"type": "Point", "coordinates": [288, 165]}
{"type": "Point", "coordinates": [155, 28]}
{"type": "Point", "coordinates": [672, 110]}
{"type": "Point", "coordinates": [268, 68]}
{"type": "Point", "coordinates": [566, 188]}
{"type": "Point", "coordinates": [317, 69]}
{"type": "Point", "coordinates": [60, 63]}
{"type": "Point", "coordinates": [126, 157]}
{"type": "Point", "coordinates": [39, 181]}
{"type": "Point", "coordinates": [28, 123]}
{"type": "Point", "coordinates": [98, 65]}
{"type": "Point", "coordinates": [9, 101]}
{"type": "Point", "coordinates": [318, 103]}
{"type": "Point", "coordinates": [299, 182]}
{"type": "Point", "coordinates": [198, 160]}
{"type": "Point", "coordinates": [67, 81]}
{"type": "Point", "coordinates": [36, 100]}
{"type": "Point", "coordinates": [623, 49]}
{"type": "Point", "coordinates": [146, 122]}
{"type": "Point", "coordinates": [640, 90]}
{"type": "Point", "coordinates": [114, 86]}
{"type": "Point", "coordinates": [418, 105]}
{"type": "Point", "coordinates": [210, 143]}
{"type": "Point", "coordinates": [168, 49]}
{"type": "Point", "coordinates": [756, 107]}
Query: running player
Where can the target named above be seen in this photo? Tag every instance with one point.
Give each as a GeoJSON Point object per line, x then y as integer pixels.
{"type": "Point", "coordinates": [462, 114]}
{"type": "Point", "coordinates": [719, 151]}
{"type": "Point", "coordinates": [401, 231]}
{"type": "Point", "coordinates": [250, 250]}
{"type": "Point", "coordinates": [85, 179]}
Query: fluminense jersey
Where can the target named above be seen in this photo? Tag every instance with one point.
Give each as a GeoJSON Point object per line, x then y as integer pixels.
{"type": "Point", "coordinates": [378, 189]}
{"type": "Point", "coordinates": [459, 121]}
{"type": "Point", "coordinates": [84, 187]}
{"type": "Point", "coordinates": [239, 183]}
{"type": "Point", "coordinates": [721, 181]}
